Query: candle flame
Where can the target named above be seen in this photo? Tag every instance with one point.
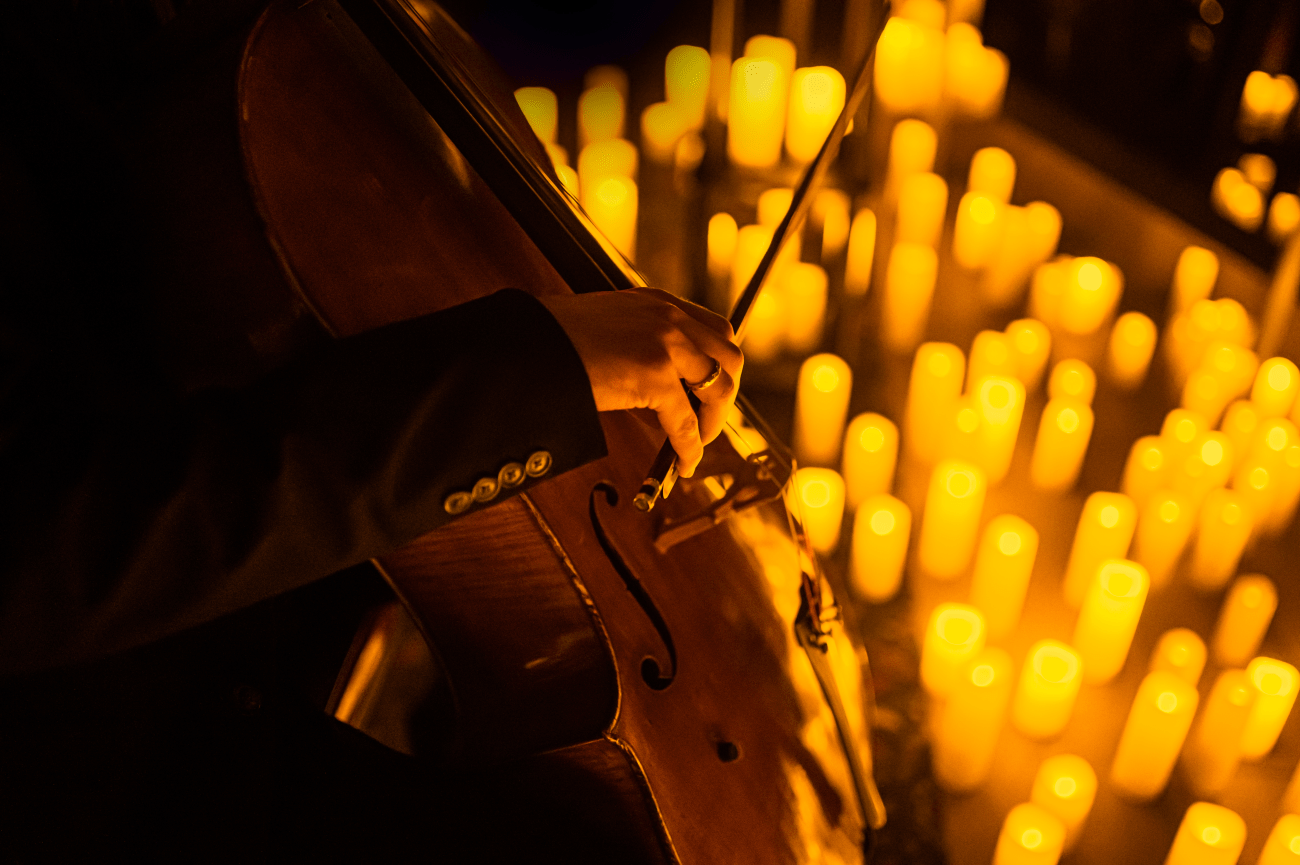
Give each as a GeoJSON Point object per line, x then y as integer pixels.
{"type": "Point", "coordinates": [1167, 701]}
{"type": "Point", "coordinates": [1109, 515]}
{"type": "Point", "coordinates": [825, 379]}
{"type": "Point", "coordinates": [958, 627]}
{"type": "Point", "coordinates": [882, 522]}
{"type": "Point", "coordinates": [1231, 514]}
{"type": "Point", "coordinates": [983, 210]}
{"type": "Point", "coordinates": [1169, 511]}
{"type": "Point", "coordinates": [760, 78]}
{"type": "Point", "coordinates": [1259, 478]}
{"type": "Point", "coordinates": [1185, 430]}
{"type": "Point", "coordinates": [1276, 438]}
{"type": "Point", "coordinates": [1009, 543]}
{"type": "Point", "coordinates": [612, 191]}
{"type": "Point", "coordinates": [1065, 787]}
{"type": "Point", "coordinates": [1279, 377]}
{"type": "Point", "coordinates": [1152, 459]}
{"type": "Point", "coordinates": [1211, 835]}
{"type": "Point", "coordinates": [1273, 680]}
{"type": "Point", "coordinates": [938, 364]}
{"type": "Point", "coordinates": [982, 676]}
{"type": "Point", "coordinates": [1031, 838]}
{"type": "Point", "coordinates": [1068, 420]}
{"type": "Point", "coordinates": [872, 439]}
{"type": "Point", "coordinates": [1055, 665]}
{"type": "Point", "coordinates": [961, 484]}
{"type": "Point", "coordinates": [816, 494]}
{"type": "Point", "coordinates": [1294, 846]}
{"type": "Point", "coordinates": [1212, 452]}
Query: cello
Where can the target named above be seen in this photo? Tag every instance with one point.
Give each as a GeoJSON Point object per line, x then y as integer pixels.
{"type": "Point", "coordinates": [679, 680]}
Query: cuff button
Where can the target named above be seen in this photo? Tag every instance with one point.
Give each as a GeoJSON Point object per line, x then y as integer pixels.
{"type": "Point", "coordinates": [538, 464]}
{"type": "Point", "coordinates": [486, 489]}
{"type": "Point", "coordinates": [457, 503]}
{"type": "Point", "coordinates": [511, 475]}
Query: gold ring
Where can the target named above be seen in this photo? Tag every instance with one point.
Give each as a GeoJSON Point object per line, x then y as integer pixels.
{"type": "Point", "coordinates": [708, 379]}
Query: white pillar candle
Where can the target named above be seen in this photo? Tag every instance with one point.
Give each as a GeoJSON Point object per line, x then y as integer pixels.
{"type": "Point", "coordinates": [778, 48]}
{"type": "Point", "coordinates": [1181, 429]}
{"type": "Point", "coordinates": [1066, 786]}
{"type": "Point", "coordinates": [1104, 531]}
{"type": "Point", "coordinates": [612, 157]}
{"type": "Point", "coordinates": [978, 230]}
{"type": "Point", "coordinates": [1146, 469]}
{"type": "Point", "coordinates": [686, 82]}
{"type": "Point", "coordinates": [870, 454]}
{"type": "Point", "coordinates": [816, 100]}
{"type": "Point", "coordinates": [1213, 748]}
{"type": "Point", "coordinates": [1222, 529]}
{"type": "Point", "coordinates": [1072, 378]}
{"type": "Point", "coordinates": [937, 372]}
{"type": "Point", "coordinates": [950, 523]}
{"type": "Point", "coordinates": [821, 504]}
{"type": "Point", "coordinates": [965, 427]}
{"type": "Point", "coordinates": [1163, 531]}
{"type": "Point", "coordinates": [922, 203]}
{"type": "Point", "coordinates": [804, 287]}
{"type": "Point", "coordinates": [912, 145]}
{"type": "Point", "coordinates": [540, 109]}
{"type": "Point", "coordinates": [862, 253]}
{"type": "Point", "coordinates": [1244, 618]}
{"type": "Point", "coordinates": [1283, 844]}
{"type": "Point", "coordinates": [909, 66]}
{"type": "Point", "coordinates": [1283, 217]}
{"type": "Point", "coordinates": [1030, 835]}
{"type": "Point", "coordinates": [1128, 354]}
{"type": "Point", "coordinates": [881, 528]}
{"type": "Point", "coordinates": [821, 408]}
{"type": "Point", "coordinates": [992, 172]}
{"type": "Point", "coordinates": [756, 113]}
{"type": "Point", "coordinates": [1047, 287]}
{"type": "Point", "coordinates": [1182, 652]}
{"type": "Point", "coordinates": [1031, 237]}
{"type": "Point", "coordinates": [909, 289]}
{"type": "Point", "coordinates": [613, 210]}
{"type": "Point", "coordinates": [1062, 442]}
{"type": "Point", "coordinates": [1003, 565]}
{"type": "Point", "coordinates": [1001, 404]}
{"type": "Point", "coordinates": [976, 76]}
{"type": "Point", "coordinates": [662, 125]}
{"type": "Point", "coordinates": [1031, 345]}
{"type": "Point", "coordinates": [1109, 617]}
{"type": "Point", "coordinates": [1256, 479]}
{"type": "Point", "coordinates": [991, 353]}
{"type": "Point", "coordinates": [600, 114]}
{"type": "Point", "coordinates": [1157, 725]}
{"type": "Point", "coordinates": [1276, 684]}
{"type": "Point", "coordinates": [1049, 684]}
{"type": "Point", "coordinates": [1209, 835]}
{"type": "Point", "coordinates": [953, 637]}
{"type": "Point", "coordinates": [1239, 424]}
{"type": "Point", "coordinates": [721, 245]}
{"type": "Point", "coordinates": [1091, 292]}
{"type": "Point", "coordinates": [968, 722]}
{"type": "Point", "coordinates": [751, 242]}
{"type": "Point", "coordinates": [765, 328]}
{"type": "Point", "coordinates": [1207, 467]}
{"type": "Point", "coordinates": [1274, 390]}
{"type": "Point", "coordinates": [1194, 278]}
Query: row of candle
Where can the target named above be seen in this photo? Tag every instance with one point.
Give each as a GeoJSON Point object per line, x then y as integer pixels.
{"type": "Point", "coordinates": [1238, 195]}
{"type": "Point", "coordinates": [1266, 104]}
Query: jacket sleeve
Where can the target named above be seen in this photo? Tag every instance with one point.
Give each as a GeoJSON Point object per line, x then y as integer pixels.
{"type": "Point", "coordinates": [131, 514]}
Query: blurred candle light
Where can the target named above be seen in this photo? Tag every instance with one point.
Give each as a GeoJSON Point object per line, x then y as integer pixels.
{"type": "Point", "coordinates": [1283, 217]}
{"type": "Point", "coordinates": [1164, 527]}
{"type": "Point", "coordinates": [991, 353]}
{"type": "Point", "coordinates": [1255, 480]}
{"type": "Point", "coordinates": [965, 432]}
{"type": "Point", "coordinates": [1001, 404]}
{"type": "Point", "coordinates": [1291, 797]}
{"type": "Point", "coordinates": [1157, 725]}
{"type": "Point", "coordinates": [1003, 565]}
{"type": "Point", "coordinates": [816, 100]}
{"type": "Point", "coordinates": [1240, 422]}
{"type": "Point", "coordinates": [765, 328]}
{"type": "Point", "coordinates": [954, 636]}
{"type": "Point", "coordinates": [1208, 467]}
{"type": "Point", "coordinates": [600, 114]}
{"type": "Point", "coordinates": [1146, 469]}
{"type": "Point", "coordinates": [662, 126]}
{"type": "Point", "coordinates": [778, 48]}
{"type": "Point", "coordinates": [752, 242]}
{"type": "Point", "coordinates": [830, 211]}
{"type": "Point", "coordinates": [821, 408]}
{"type": "Point", "coordinates": [1066, 786]}
{"type": "Point", "coordinates": [1108, 619]}
{"type": "Point", "coordinates": [1283, 844]}
{"type": "Point", "coordinates": [909, 66]}
{"type": "Point", "coordinates": [1207, 321]}
{"type": "Point", "coordinates": [1030, 835]}
{"type": "Point", "coordinates": [1236, 200]}
{"type": "Point", "coordinates": [1049, 684]}
{"type": "Point", "coordinates": [1276, 684]}
{"type": "Point", "coordinates": [756, 114]}
{"type": "Point", "coordinates": [975, 77]}
{"type": "Point", "coordinates": [870, 454]}
{"type": "Point", "coordinates": [992, 172]}
{"type": "Point", "coordinates": [1194, 278]}
{"type": "Point", "coordinates": [862, 253]}
{"type": "Point", "coordinates": [686, 82]}
{"type": "Point", "coordinates": [978, 230]}
{"type": "Point", "coordinates": [1105, 531]}
{"type": "Point", "coordinates": [1286, 494]}
{"type": "Point", "coordinates": [1063, 435]}
{"type": "Point", "coordinates": [881, 528]}
{"type": "Point", "coordinates": [1074, 379]}
{"type": "Point", "coordinates": [613, 209]}
{"type": "Point", "coordinates": [1047, 287]}
{"type": "Point", "coordinates": [599, 160]}
{"type": "Point", "coordinates": [804, 287]}
{"type": "Point", "coordinates": [1128, 355]}
{"type": "Point", "coordinates": [1182, 652]}
{"type": "Point", "coordinates": [950, 523]}
{"type": "Point", "coordinates": [970, 719]}
{"type": "Point", "coordinates": [1181, 430]}
{"type": "Point", "coordinates": [540, 109]}
{"type": "Point", "coordinates": [1243, 620]}
{"type": "Point", "coordinates": [1213, 748]}
{"type": "Point", "coordinates": [1031, 345]}
{"type": "Point", "coordinates": [721, 244]}
{"type": "Point", "coordinates": [1274, 390]}
{"type": "Point", "coordinates": [821, 501]}
{"type": "Point", "coordinates": [937, 372]}
{"type": "Point", "coordinates": [912, 146]}
{"type": "Point", "coordinates": [1209, 835]}
{"type": "Point", "coordinates": [1222, 531]}
{"type": "Point", "coordinates": [1266, 102]}
{"type": "Point", "coordinates": [568, 180]}
{"type": "Point", "coordinates": [1030, 238]}
{"type": "Point", "coordinates": [922, 203]}
{"type": "Point", "coordinates": [1091, 292]}
{"type": "Point", "coordinates": [909, 289]}
{"type": "Point", "coordinates": [1259, 170]}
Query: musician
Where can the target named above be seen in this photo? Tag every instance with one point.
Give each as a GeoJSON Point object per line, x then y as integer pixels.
{"type": "Point", "coordinates": [152, 483]}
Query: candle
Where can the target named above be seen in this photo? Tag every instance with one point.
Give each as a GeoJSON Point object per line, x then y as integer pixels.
{"type": "Point", "coordinates": [765, 327]}
{"type": "Point", "coordinates": [1207, 467]}
{"type": "Point", "coordinates": [912, 146]}
{"type": "Point", "coordinates": [1063, 435]}
{"type": "Point", "coordinates": [978, 230]}
{"type": "Point", "coordinates": [1283, 217]}
{"type": "Point", "coordinates": [821, 503]}
{"type": "Point", "coordinates": [1266, 102]}
{"type": "Point", "coordinates": [937, 373]}
{"type": "Point", "coordinates": [686, 82]}
{"type": "Point", "coordinates": [1214, 745]}
{"type": "Point", "coordinates": [1163, 530]}
{"type": "Point", "coordinates": [1206, 322]}
{"type": "Point", "coordinates": [662, 126]}
{"type": "Point", "coordinates": [804, 287]}
{"type": "Point", "coordinates": [1181, 430]}
{"type": "Point", "coordinates": [1030, 835]}
{"type": "Point", "coordinates": [862, 253]}
{"type": "Point", "coordinates": [613, 210]}
{"type": "Point", "coordinates": [752, 242]}
{"type": "Point", "coordinates": [1105, 531]}
{"type": "Point", "coordinates": [721, 244]}
{"type": "Point", "coordinates": [1209, 835]}
{"type": "Point", "coordinates": [976, 77]}
{"type": "Point", "coordinates": [568, 180]}
{"type": "Point", "coordinates": [1128, 354]}
{"type": "Point", "coordinates": [600, 114]}
{"type": "Point", "coordinates": [1287, 491]}
{"type": "Point", "coordinates": [964, 427]}
{"type": "Point", "coordinates": [821, 408]}
{"type": "Point", "coordinates": [1275, 387]}
{"type": "Point", "coordinates": [1157, 725]}
{"type": "Point", "coordinates": [1181, 652]}
{"type": "Point", "coordinates": [1236, 200]}
{"type": "Point", "coordinates": [870, 453]}
{"type": "Point", "coordinates": [953, 637]}
{"type": "Point", "coordinates": [1146, 469]}
{"type": "Point", "coordinates": [909, 66]}
{"type": "Point", "coordinates": [1254, 480]}
{"type": "Point", "coordinates": [1109, 617]}
{"type": "Point", "coordinates": [992, 172]}
{"type": "Point", "coordinates": [1194, 278]}
{"type": "Point", "coordinates": [773, 204]}
{"type": "Point", "coordinates": [1275, 683]}
{"type": "Point", "coordinates": [1283, 844]}
{"type": "Point", "coordinates": [1072, 378]}
{"type": "Point", "coordinates": [1048, 687]}
{"type": "Point", "coordinates": [756, 113]}
{"type": "Point", "coordinates": [1240, 422]}
{"type": "Point", "coordinates": [816, 100]}
{"type": "Point", "coordinates": [599, 160]}
{"type": "Point", "coordinates": [778, 48]}
{"type": "Point", "coordinates": [1031, 345]}
{"type": "Point", "coordinates": [968, 722]}
{"type": "Point", "coordinates": [540, 110]}
{"type": "Point", "coordinates": [1003, 565]}
{"type": "Point", "coordinates": [614, 76]}
{"type": "Point", "coordinates": [830, 211]}
{"type": "Point", "coordinates": [1225, 373]}
{"type": "Point", "coordinates": [1030, 239]}
{"type": "Point", "coordinates": [1066, 786]}
{"type": "Point", "coordinates": [922, 203]}
{"type": "Point", "coordinates": [881, 528]}
{"type": "Point", "coordinates": [1001, 404]}
{"type": "Point", "coordinates": [950, 523]}
{"type": "Point", "coordinates": [1222, 530]}
{"type": "Point", "coordinates": [909, 288]}
{"type": "Point", "coordinates": [1047, 288]}
{"type": "Point", "coordinates": [991, 353]}
{"type": "Point", "coordinates": [1091, 291]}
{"type": "Point", "coordinates": [1244, 618]}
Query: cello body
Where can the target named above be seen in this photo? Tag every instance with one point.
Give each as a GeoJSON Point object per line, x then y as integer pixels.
{"type": "Point", "coordinates": [659, 695]}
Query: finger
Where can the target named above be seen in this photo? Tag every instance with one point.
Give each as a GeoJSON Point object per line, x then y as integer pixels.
{"type": "Point", "coordinates": [678, 420]}
{"type": "Point", "coordinates": [714, 410]}
{"type": "Point", "coordinates": [707, 317]}
{"type": "Point", "coordinates": [699, 348]}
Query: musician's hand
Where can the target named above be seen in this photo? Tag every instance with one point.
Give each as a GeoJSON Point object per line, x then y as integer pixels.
{"type": "Point", "coordinates": [638, 345]}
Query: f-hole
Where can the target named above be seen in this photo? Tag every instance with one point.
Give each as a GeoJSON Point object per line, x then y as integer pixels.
{"type": "Point", "coordinates": [651, 670]}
